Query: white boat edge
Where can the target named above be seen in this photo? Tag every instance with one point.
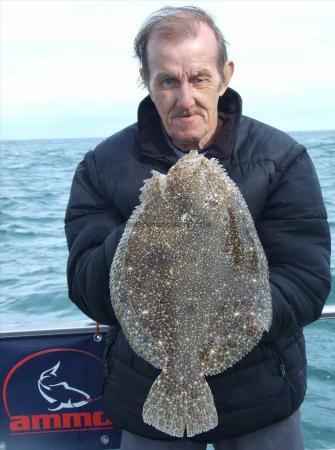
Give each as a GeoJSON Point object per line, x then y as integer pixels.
{"type": "Point", "coordinates": [90, 327]}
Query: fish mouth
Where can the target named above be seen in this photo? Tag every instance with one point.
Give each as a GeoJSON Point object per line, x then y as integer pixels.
{"type": "Point", "coordinates": [192, 157]}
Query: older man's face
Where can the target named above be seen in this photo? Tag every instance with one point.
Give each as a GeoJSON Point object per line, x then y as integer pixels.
{"type": "Point", "coordinates": [185, 86]}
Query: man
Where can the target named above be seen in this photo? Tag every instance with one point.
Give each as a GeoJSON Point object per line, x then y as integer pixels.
{"type": "Point", "coordinates": [185, 68]}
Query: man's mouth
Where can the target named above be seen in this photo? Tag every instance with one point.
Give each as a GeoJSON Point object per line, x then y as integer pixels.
{"type": "Point", "coordinates": [186, 119]}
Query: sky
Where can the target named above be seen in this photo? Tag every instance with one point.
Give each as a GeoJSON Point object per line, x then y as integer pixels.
{"type": "Point", "coordinates": [68, 70]}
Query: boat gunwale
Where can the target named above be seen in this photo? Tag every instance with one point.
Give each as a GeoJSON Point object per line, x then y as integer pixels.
{"type": "Point", "coordinates": [71, 328]}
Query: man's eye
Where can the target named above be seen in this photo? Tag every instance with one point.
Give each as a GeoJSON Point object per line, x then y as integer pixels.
{"type": "Point", "coordinates": [198, 80]}
{"type": "Point", "coordinates": [169, 82]}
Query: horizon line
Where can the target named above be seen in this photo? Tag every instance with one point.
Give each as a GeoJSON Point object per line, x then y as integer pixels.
{"type": "Point", "coordinates": [101, 137]}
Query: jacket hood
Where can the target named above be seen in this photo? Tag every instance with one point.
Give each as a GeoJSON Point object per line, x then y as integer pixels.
{"type": "Point", "coordinates": [153, 142]}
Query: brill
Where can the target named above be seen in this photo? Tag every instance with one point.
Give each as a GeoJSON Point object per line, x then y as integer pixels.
{"type": "Point", "coordinates": [190, 288]}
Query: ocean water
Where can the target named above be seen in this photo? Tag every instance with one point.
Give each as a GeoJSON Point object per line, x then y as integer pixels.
{"type": "Point", "coordinates": [35, 182]}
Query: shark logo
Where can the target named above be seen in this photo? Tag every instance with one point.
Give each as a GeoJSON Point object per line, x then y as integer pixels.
{"type": "Point", "coordinates": [59, 393]}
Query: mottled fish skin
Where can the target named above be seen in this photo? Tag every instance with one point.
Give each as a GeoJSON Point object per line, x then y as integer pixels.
{"type": "Point", "coordinates": [190, 287]}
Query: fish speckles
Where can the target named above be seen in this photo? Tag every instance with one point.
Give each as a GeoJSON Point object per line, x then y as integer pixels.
{"type": "Point", "coordinates": [189, 286]}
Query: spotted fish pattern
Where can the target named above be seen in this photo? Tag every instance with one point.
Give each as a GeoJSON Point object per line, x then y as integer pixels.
{"type": "Point", "coordinates": [190, 288]}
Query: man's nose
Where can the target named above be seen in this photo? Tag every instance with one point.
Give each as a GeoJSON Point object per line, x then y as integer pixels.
{"type": "Point", "coordinates": [185, 97]}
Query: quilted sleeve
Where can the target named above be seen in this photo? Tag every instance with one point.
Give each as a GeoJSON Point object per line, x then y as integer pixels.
{"type": "Point", "coordinates": [295, 235]}
{"type": "Point", "coordinates": [93, 228]}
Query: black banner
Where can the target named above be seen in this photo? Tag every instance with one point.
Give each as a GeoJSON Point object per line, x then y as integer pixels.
{"type": "Point", "coordinates": [51, 390]}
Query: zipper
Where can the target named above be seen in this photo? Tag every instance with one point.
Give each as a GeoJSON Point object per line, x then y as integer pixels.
{"type": "Point", "coordinates": [279, 359]}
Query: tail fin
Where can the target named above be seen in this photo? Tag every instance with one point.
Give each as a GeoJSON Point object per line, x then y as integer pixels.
{"type": "Point", "coordinates": [174, 404]}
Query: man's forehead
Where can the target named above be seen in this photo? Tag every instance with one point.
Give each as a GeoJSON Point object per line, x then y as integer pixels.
{"type": "Point", "coordinates": [204, 41]}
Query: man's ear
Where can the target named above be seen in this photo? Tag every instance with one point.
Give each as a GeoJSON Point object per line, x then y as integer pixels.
{"type": "Point", "coordinates": [228, 73]}
{"type": "Point", "coordinates": [143, 79]}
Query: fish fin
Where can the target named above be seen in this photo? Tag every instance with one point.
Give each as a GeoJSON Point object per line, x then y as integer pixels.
{"type": "Point", "coordinates": [173, 405]}
{"type": "Point", "coordinates": [201, 415]}
{"type": "Point", "coordinates": [152, 186]}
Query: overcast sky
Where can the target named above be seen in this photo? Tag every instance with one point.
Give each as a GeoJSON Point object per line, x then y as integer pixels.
{"type": "Point", "coordinates": [68, 69]}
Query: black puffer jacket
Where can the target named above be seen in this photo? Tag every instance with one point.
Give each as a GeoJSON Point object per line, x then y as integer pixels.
{"type": "Point", "coordinates": [280, 186]}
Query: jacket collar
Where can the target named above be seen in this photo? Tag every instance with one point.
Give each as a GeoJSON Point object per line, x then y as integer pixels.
{"type": "Point", "coordinates": [154, 144]}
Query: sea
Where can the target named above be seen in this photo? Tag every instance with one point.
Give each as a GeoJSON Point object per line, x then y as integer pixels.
{"type": "Point", "coordinates": [35, 182]}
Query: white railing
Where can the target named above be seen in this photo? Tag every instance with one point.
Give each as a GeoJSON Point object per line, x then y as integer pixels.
{"type": "Point", "coordinates": [90, 327]}
{"type": "Point", "coordinates": [328, 312]}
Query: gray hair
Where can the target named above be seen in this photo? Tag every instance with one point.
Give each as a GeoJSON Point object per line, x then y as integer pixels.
{"type": "Point", "coordinates": [176, 23]}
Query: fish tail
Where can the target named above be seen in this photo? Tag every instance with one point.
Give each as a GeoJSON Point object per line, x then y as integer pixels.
{"type": "Point", "coordinates": [201, 414]}
{"type": "Point", "coordinates": [174, 404]}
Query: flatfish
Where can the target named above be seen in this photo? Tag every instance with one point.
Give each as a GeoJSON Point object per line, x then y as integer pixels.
{"type": "Point", "coordinates": [190, 288]}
